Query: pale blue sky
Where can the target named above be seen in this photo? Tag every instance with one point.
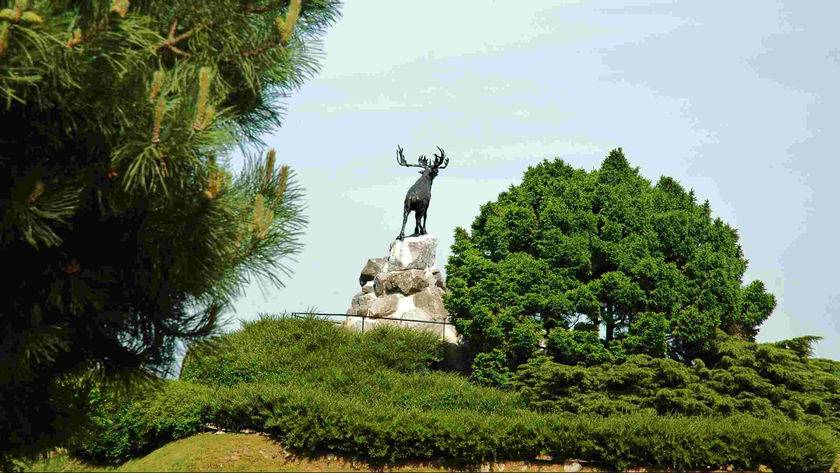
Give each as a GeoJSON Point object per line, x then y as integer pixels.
{"type": "Point", "coordinates": [737, 100]}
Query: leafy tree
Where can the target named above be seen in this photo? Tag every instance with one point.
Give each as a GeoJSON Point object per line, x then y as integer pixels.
{"type": "Point", "coordinates": [117, 205]}
{"type": "Point", "coordinates": [606, 264]}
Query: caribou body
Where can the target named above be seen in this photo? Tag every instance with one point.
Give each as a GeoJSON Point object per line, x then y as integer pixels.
{"type": "Point", "coordinates": [418, 196]}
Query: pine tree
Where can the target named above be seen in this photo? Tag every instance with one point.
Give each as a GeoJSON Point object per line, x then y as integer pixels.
{"type": "Point", "coordinates": [122, 227]}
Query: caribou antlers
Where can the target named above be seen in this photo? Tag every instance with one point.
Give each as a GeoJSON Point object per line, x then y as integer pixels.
{"type": "Point", "coordinates": [442, 159]}
{"type": "Point", "coordinates": [423, 161]}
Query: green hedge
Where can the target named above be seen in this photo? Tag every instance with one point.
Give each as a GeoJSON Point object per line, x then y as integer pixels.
{"type": "Point", "coordinates": [762, 380]}
{"type": "Point", "coordinates": [311, 419]}
{"type": "Point", "coordinates": [306, 350]}
{"type": "Point", "coordinates": [387, 365]}
{"type": "Point", "coordinates": [314, 386]}
{"type": "Point", "coordinates": [122, 428]}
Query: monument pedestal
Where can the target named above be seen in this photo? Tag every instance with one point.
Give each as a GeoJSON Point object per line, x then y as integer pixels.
{"type": "Point", "coordinates": [404, 288]}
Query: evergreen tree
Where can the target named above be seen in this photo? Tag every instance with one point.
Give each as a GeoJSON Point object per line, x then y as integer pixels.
{"type": "Point", "coordinates": [600, 265]}
{"type": "Point", "coordinates": [122, 227]}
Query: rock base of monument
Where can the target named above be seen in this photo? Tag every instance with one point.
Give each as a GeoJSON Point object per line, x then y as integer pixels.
{"type": "Point", "coordinates": [404, 288]}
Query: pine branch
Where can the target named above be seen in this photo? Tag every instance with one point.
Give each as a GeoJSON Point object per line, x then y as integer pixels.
{"type": "Point", "coordinates": [260, 50]}
{"type": "Point", "coordinates": [285, 27]}
{"type": "Point", "coordinates": [251, 8]}
{"type": "Point", "coordinates": [172, 40]}
{"type": "Point", "coordinates": [78, 36]}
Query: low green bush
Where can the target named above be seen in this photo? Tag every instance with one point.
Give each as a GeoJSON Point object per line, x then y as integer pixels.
{"type": "Point", "coordinates": [124, 426]}
{"type": "Point", "coordinates": [763, 380]}
{"type": "Point", "coordinates": [306, 350]}
{"type": "Point", "coordinates": [386, 365]}
{"type": "Point", "coordinates": [314, 386]}
{"type": "Point", "coordinates": [311, 419]}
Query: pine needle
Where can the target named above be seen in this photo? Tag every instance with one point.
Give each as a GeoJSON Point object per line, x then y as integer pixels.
{"type": "Point", "coordinates": [120, 7]}
{"type": "Point", "coordinates": [158, 78]}
{"type": "Point", "coordinates": [262, 218]}
{"type": "Point", "coordinates": [201, 102]}
{"type": "Point", "coordinates": [286, 24]}
{"type": "Point", "coordinates": [4, 38]}
{"type": "Point", "coordinates": [282, 182]}
{"type": "Point", "coordinates": [160, 110]}
{"type": "Point", "coordinates": [269, 168]}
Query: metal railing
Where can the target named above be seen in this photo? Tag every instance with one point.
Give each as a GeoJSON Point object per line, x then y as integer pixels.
{"type": "Point", "coordinates": [332, 318]}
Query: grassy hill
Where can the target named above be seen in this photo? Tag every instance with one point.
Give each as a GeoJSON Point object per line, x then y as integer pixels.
{"type": "Point", "coordinates": [376, 396]}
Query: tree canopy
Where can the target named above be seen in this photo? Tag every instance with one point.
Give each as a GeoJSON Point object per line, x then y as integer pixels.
{"type": "Point", "coordinates": [598, 265]}
{"type": "Point", "coordinates": [127, 228]}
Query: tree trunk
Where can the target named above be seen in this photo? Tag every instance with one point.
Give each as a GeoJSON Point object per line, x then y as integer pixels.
{"type": "Point", "coordinates": [610, 320]}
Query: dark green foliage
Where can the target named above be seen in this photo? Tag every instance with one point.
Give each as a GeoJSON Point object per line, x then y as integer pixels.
{"type": "Point", "coordinates": [126, 426]}
{"type": "Point", "coordinates": [802, 346]}
{"type": "Point", "coordinates": [404, 412]}
{"type": "Point", "coordinates": [281, 349]}
{"type": "Point", "coordinates": [695, 333]}
{"type": "Point", "coordinates": [569, 254]}
{"type": "Point", "coordinates": [385, 366]}
{"type": "Point", "coordinates": [648, 335]}
{"type": "Point", "coordinates": [116, 195]}
{"type": "Point", "coordinates": [576, 347]}
{"type": "Point", "coordinates": [388, 365]}
{"type": "Point", "coordinates": [491, 369]}
{"type": "Point", "coordinates": [763, 380]}
{"type": "Point", "coordinates": [308, 420]}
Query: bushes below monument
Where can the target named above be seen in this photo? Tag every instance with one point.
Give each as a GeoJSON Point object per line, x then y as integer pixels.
{"type": "Point", "coordinates": [308, 350]}
{"type": "Point", "coordinates": [387, 365]}
{"type": "Point", "coordinates": [314, 386]}
{"type": "Point", "coordinates": [314, 419]}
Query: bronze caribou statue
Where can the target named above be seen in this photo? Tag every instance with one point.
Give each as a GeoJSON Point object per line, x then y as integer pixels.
{"type": "Point", "coordinates": [418, 196]}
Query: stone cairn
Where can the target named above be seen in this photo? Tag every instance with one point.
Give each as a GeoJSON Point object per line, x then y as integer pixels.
{"type": "Point", "coordinates": [404, 285]}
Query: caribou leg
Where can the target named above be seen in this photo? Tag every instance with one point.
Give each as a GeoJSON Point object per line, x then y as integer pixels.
{"type": "Point", "coordinates": [417, 216]}
{"type": "Point", "coordinates": [423, 226]}
{"type": "Point", "coordinates": [402, 230]}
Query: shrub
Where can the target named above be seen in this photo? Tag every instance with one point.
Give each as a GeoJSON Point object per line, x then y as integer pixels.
{"type": "Point", "coordinates": [491, 369]}
{"type": "Point", "coordinates": [277, 348]}
{"type": "Point", "coordinates": [763, 380]}
{"type": "Point", "coordinates": [311, 419]}
{"type": "Point", "coordinates": [123, 427]}
{"type": "Point", "coordinates": [391, 411]}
